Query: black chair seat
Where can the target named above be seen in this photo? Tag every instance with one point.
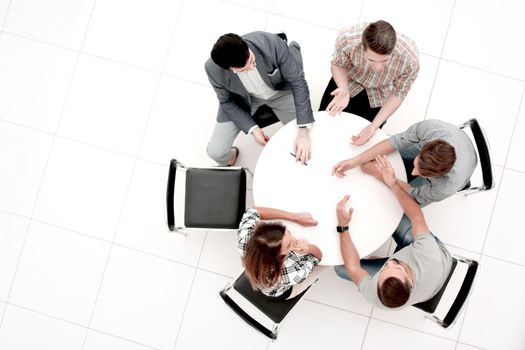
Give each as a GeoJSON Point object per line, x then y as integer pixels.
{"type": "Point", "coordinates": [215, 198]}
{"type": "Point", "coordinates": [207, 191]}
{"type": "Point", "coordinates": [275, 310]}
{"type": "Point", "coordinates": [264, 116]}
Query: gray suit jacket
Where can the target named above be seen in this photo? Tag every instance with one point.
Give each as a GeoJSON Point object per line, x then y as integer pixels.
{"type": "Point", "coordinates": [280, 67]}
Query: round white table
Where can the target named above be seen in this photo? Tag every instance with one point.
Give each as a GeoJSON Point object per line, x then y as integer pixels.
{"type": "Point", "coordinates": [282, 183]}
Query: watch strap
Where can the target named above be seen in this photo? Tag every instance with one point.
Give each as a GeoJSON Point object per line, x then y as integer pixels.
{"type": "Point", "coordinates": [342, 229]}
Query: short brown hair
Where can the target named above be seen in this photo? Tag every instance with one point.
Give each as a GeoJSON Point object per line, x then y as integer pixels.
{"type": "Point", "coordinates": [379, 37]}
{"type": "Point", "coordinates": [436, 158]}
{"type": "Point", "coordinates": [262, 260]}
{"type": "Point", "coordinates": [393, 292]}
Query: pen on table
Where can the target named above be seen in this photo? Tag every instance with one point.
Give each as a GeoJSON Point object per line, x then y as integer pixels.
{"type": "Point", "coordinates": [293, 155]}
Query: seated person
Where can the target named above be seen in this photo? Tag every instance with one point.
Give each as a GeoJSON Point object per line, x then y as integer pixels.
{"type": "Point", "coordinates": [412, 275]}
{"type": "Point", "coordinates": [275, 262]}
{"type": "Point", "coordinates": [247, 72]}
{"type": "Point", "coordinates": [432, 146]}
{"type": "Point", "coordinates": [373, 69]}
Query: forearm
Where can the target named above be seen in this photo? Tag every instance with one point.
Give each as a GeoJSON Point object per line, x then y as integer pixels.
{"type": "Point", "coordinates": [383, 147]}
{"type": "Point", "coordinates": [340, 76]}
{"type": "Point", "coordinates": [409, 205]}
{"type": "Point", "coordinates": [350, 255]}
{"type": "Point", "coordinates": [401, 183]}
{"type": "Point", "coordinates": [315, 251]}
{"type": "Point", "coordinates": [391, 104]}
{"type": "Point", "coordinates": [405, 186]}
{"type": "Point", "coordinates": [275, 214]}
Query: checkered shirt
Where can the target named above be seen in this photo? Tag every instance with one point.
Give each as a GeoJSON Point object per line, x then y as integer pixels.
{"type": "Point", "coordinates": [296, 267]}
{"type": "Point", "coordinates": [396, 78]}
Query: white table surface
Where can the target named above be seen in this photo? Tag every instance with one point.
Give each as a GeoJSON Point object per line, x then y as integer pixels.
{"type": "Point", "coordinates": [282, 183]}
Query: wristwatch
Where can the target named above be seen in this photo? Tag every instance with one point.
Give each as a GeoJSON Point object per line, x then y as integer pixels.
{"type": "Point", "coordinates": [342, 229]}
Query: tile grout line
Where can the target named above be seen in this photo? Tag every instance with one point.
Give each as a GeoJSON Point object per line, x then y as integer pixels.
{"type": "Point", "coordinates": [189, 294]}
{"type": "Point", "coordinates": [440, 59]}
{"type": "Point", "coordinates": [494, 207]}
{"type": "Point", "coordinates": [413, 329]}
{"type": "Point", "coordinates": [79, 51]}
{"type": "Point", "coordinates": [132, 175]}
{"type": "Point", "coordinates": [43, 173]}
{"type": "Point", "coordinates": [361, 14]}
{"type": "Point", "coordinates": [504, 168]}
{"type": "Point", "coordinates": [366, 331]}
{"type": "Point", "coordinates": [338, 308]}
{"type": "Point", "coordinates": [270, 13]}
{"type": "Point", "coordinates": [74, 323]}
{"type": "Point", "coordinates": [5, 16]}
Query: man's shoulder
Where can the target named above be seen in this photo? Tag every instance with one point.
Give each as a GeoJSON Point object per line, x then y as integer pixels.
{"type": "Point", "coordinates": [407, 49]}
{"type": "Point", "coordinates": [261, 39]}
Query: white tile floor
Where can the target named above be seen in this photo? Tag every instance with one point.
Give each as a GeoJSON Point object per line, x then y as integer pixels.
{"type": "Point", "coordinates": [96, 96]}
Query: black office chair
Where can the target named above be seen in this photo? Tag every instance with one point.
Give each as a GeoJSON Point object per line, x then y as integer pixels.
{"type": "Point", "coordinates": [214, 198]}
{"type": "Point", "coordinates": [460, 296]}
{"type": "Point", "coordinates": [275, 311]}
{"type": "Point", "coordinates": [483, 151]}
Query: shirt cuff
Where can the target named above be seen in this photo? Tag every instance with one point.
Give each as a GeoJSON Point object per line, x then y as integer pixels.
{"type": "Point", "coordinates": [252, 129]}
{"type": "Point", "coordinates": [305, 126]}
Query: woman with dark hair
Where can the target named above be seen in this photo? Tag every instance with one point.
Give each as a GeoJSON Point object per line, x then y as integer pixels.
{"type": "Point", "coordinates": [277, 264]}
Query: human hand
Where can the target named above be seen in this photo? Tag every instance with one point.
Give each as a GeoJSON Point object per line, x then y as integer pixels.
{"type": "Point", "coordinates": [365, 135]}
{"type": "Point", "coordinates": [305, 219]}
{"type": "Point", "coordinates": [370, 168]}
{"type": "Point", "coordinates": [343, 216]}
{"type": "Point", "coordinates": [260, 137]}
{"type": "Point", "coordinates": [302, 147]}
{"type": "Point", "coordinates": [386, 171]}
{"type": "Point", "coordinates": [339, 102]}
{"type": "Point", "coordinates": [340, 168]}
{"type": "Point", "coordinates": [301, 246]}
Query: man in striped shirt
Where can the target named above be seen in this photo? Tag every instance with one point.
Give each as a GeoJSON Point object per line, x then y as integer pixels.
{"type": "Point", "coordinates": [373, 69]}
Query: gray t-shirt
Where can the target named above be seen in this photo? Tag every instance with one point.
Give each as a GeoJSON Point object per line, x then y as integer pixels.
{"type": "Point", "coordinates": [430, 263]}
{"type": "Point", "coordinates": [440, 187]}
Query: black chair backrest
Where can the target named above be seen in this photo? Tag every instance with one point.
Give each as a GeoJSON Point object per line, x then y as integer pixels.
{"type": "Point", "coordinates": [431, 304]}
{"type": "Point", "coordinates": [170, 190]}
{"type": "Point", "coordinates": [484, 154]}
{"type": "Point", "coordinates": [276, 310]}
{"type": "Point", "coordinates": [463, 294]}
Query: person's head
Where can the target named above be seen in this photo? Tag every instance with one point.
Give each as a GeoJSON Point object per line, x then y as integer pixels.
{"type": "Point", "coordinates": [436, 158]}
{"type": "Point", "coordinates": [232, 52]}
{"type": "Point", "coordinates": [379, 40]}
{"type": "Point", "coordinates": [394, 284]}
{"type": "Point", "coordinates": [265, 253]}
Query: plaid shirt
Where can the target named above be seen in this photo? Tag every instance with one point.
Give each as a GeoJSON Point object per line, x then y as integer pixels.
{"type": "Point", "coordinates": [397, 77]}
{"type": "Point", "coordinates": [296, 267]}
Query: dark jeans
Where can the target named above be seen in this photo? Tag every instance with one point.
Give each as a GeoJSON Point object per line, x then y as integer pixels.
{"type": "Point", "coordinates": [359, 104]}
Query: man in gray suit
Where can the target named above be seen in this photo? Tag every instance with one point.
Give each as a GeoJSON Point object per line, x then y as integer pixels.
{"type": "Point", "coordinates": [247, 72]}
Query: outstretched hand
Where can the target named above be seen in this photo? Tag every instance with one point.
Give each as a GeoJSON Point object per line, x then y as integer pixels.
{"type": "Point", "coordinates": [305, 219]}
{"type": "Point", "coordinates": [339, 102]}
{"type": "Point", "coordinates": [343, 216]}
{"type": "Point", "coordinates": [340, 168]}
{"type": "Point", "coordinates": [385, 169]}
{"type": "Point", "coordinates": [365, 135]}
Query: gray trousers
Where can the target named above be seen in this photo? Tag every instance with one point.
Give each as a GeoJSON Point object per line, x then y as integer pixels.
{"type": "Point", "coordinates": [225, 133]}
